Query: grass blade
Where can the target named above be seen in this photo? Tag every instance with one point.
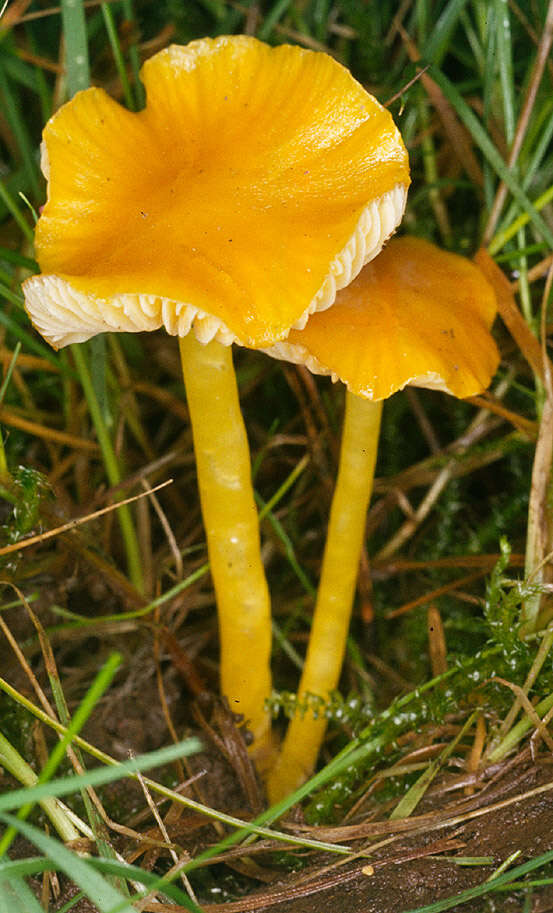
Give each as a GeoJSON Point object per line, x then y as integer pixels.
{"type": "Point", "coordinates": [29, 341]}
{"type": "Point", "coordinates": [15, 211]}
{"type": "Point", "coordinates": [486, 888]}
{"type": "Point", "coordinates": [18, 767]}
{"type": "Point", "coordinates": [21, 868]}
{"type": "Point", "coordinates": [97, 888]}
{"type": "Point", "coordinates": [13, 108]}
{"type": "Point", "coordinates": [483, 141]}
{"type": "Point", "coordinates": [436, 46]}
{"type": "Point", "coordinates": [505, 57]}
{"type": "Point", "coordinates": [112, 467]}
{"type": "Point", "coordinates": [17, 897]}
{"type": "Point", "coordinates": [109, 22]}
{"type": "Point", "coordinates": [99, 776]}
{"type": "Point", "coordinates": [76, 46]}
{"type": "Point", "coordinates": [85, 708]}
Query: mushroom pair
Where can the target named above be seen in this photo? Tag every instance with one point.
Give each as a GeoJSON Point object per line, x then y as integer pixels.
{"type": "Point", "coordinates": [255, 183]}
{"type": "Point", "coordinates": [414, 315]}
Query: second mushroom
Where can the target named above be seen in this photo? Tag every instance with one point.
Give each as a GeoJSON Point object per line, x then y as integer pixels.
{"type": "Point", "coordinates": [415, 315]}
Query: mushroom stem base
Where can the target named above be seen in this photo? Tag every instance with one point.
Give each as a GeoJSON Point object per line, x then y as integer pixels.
{"type": "Point", "coordinates": [331, 619]}
{"type": "Point", "coordinates": [232, 531]}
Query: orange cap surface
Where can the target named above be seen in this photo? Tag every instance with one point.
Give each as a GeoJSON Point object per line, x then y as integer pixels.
{"type": "Point", "coordinates": [414, 315]}
{"type": "Point", "coordinates": [255, 182]}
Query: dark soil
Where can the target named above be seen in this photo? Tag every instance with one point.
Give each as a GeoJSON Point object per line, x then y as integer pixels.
{"type": "Point", "coordinates": [509, 810]}
{"type": "Point", "coordinates": [403, 875]}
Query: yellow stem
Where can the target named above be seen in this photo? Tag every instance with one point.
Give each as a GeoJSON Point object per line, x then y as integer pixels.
{"type": "Point", "coordinates": [5, 477]}
{"type": "Point", "coordinates": [331, 619]}
{"type": "Point", "coordinates": [232, 531]}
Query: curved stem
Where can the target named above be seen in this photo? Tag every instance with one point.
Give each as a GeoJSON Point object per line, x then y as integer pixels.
{"type": "Point", "coordinates": [331, 619]}
{"type": "Point", "coordinates": [232, 530]}
{"type": "Point", "coordinates": [4, 471]}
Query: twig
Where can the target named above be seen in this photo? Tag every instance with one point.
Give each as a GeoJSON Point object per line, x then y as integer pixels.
{"type": "Point", "coordinates": [33, 540]}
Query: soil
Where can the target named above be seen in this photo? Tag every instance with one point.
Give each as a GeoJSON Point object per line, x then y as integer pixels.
{"type": "Point", "coordinates": [404, 875]}
{"type": "Point", "coordinates": [510, 810]}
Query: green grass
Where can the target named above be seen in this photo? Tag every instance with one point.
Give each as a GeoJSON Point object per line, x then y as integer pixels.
{"type": "Point", "coordinates": [115, 581]}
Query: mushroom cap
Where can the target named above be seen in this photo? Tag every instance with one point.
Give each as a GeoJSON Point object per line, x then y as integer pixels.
{"type": "Point", "coordinates": [255, 182]}
{"type": "Point", "coordinates": [415, 315]}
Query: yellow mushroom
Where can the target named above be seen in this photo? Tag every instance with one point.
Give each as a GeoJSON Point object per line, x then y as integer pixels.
{"type": "Point", "coordinates": [255, 183]}
{"type": "Point", "coordinates": [415, 315]}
